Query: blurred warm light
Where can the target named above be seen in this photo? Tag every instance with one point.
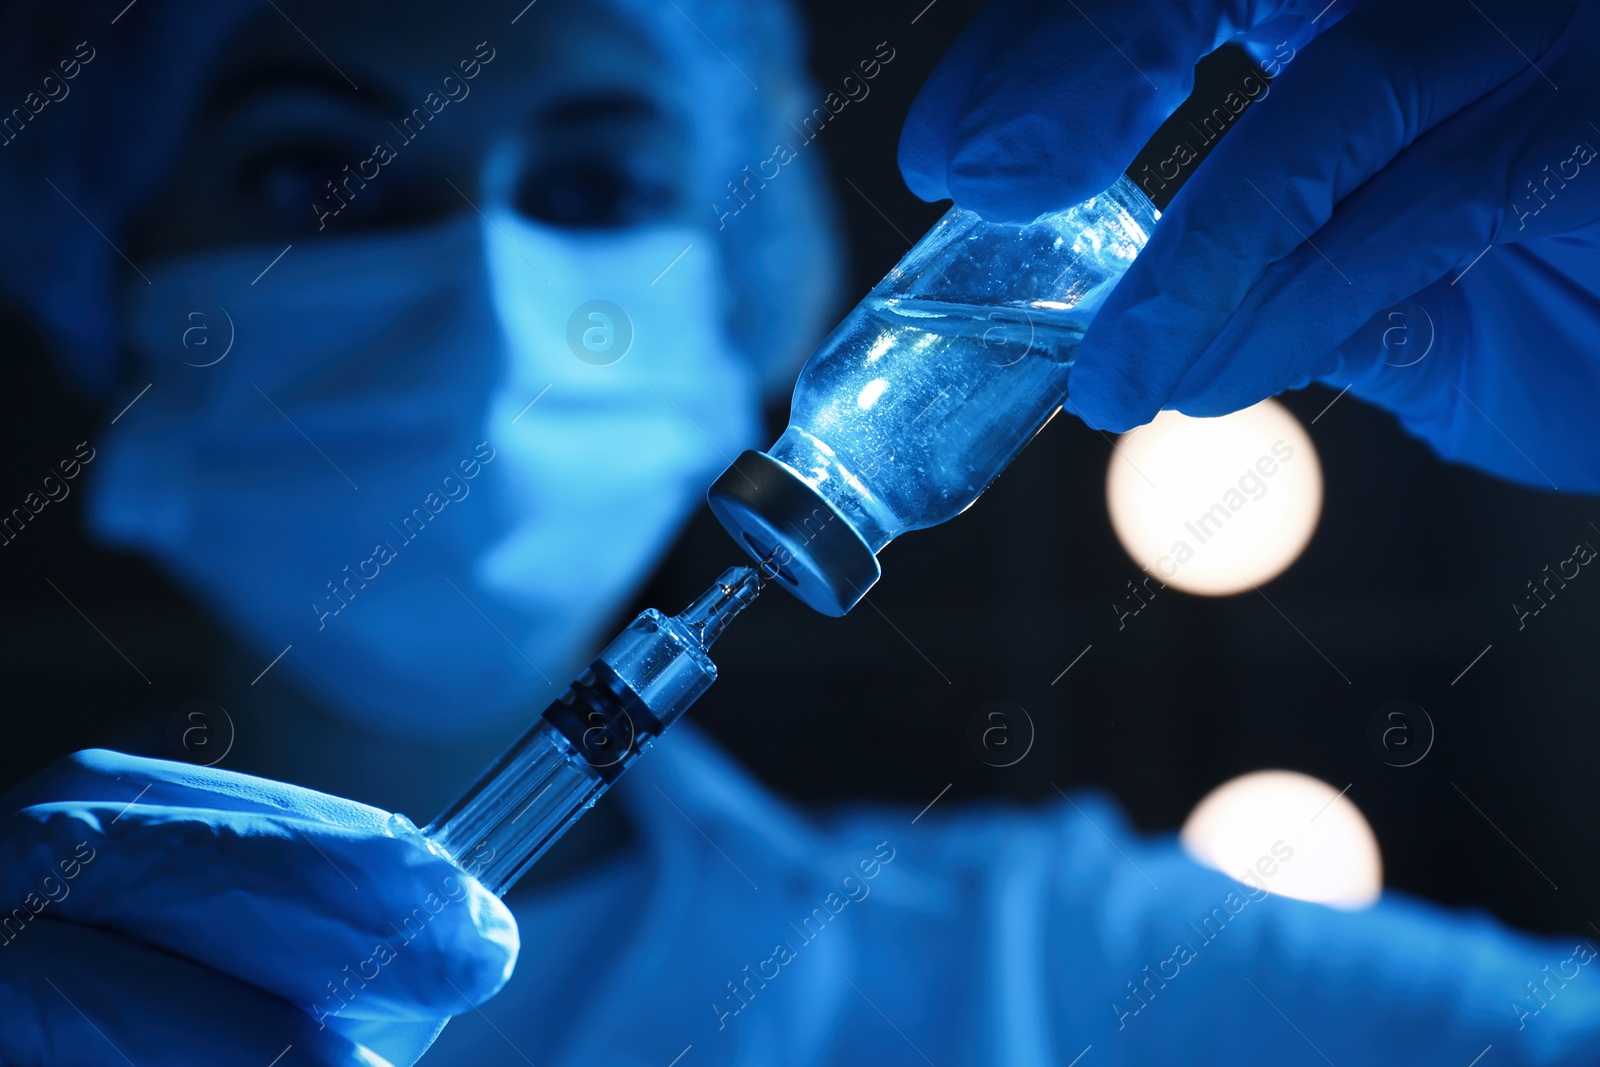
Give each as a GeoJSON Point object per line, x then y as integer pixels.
{"type": "Point", "coordinates": [1289, 834]}
{"type": "Point", "coordinates": [1216, 506]}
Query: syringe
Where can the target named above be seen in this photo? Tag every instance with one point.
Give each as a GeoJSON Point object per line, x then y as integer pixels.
{"type": "Point", "coordinates": [636, 688]}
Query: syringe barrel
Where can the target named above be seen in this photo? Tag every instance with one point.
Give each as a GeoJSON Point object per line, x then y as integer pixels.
{"type": "Point", "coordinates": [517, 809]}
{"type": "Point", "coordinates": [539, 786]}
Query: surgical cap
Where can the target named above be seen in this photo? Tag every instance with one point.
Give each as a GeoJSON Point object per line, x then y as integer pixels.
{"type": "Point", "coordinates": [77, 171]}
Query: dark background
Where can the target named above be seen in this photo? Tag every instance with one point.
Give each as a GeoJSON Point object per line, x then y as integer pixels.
{"type": "Point", "coordinates": [1410, 575]}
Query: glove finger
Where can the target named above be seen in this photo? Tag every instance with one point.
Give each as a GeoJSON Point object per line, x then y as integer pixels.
{"type": "Point", "coordinates": [930, 125]}
{"type": "Point", "coordinates": [1354, 98]}
{"type": "Point", "coordinates": [296, 907]}
{"type": "Point", "coordinates": [76, 995]}
{"type": "Point", "coordinates": [1483, 381]}
{"type": "Point", "coordinates": [1040, 106]}
{"type": "Point", "coordinates": [101, 774]}
{"type": "Point", "coordinates": [1427, 216]}
{"type": "Point", "coordinates": [1274, 42]}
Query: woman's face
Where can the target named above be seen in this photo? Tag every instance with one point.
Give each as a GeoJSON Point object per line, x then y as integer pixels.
{"type": "Point", "coordinates": [302, 130]}
{"type": "Point", "coordinates": [410, 226]}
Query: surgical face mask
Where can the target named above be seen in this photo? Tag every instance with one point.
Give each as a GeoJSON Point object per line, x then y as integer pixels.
{"type": "Point", "coordinates": [429, 467]}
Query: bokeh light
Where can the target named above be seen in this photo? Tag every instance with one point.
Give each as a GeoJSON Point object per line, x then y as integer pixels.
{"type": "Point", "coordinates": [1289, 834]}
{"type": "Point", "coordinates": [1216, 506]}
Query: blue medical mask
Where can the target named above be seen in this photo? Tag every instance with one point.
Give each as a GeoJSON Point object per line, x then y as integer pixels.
{"type": "Point", "coordinates": [432, 465]}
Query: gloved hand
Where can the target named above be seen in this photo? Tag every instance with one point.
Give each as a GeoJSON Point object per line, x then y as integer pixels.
{"type": "Point", "coordinates": [160, 913]}
{"type": "Point", "coordinates": [1412, 175]}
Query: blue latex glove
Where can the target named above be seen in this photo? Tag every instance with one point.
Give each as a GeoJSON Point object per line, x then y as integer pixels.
{"type": "Point", "coordinates": [169, 914]}
{"type": "Point", "coordinates": [1377, 192]}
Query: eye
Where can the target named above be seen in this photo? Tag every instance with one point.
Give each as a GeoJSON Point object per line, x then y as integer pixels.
{"type": "Point", "coordinates": [301, 184]}
{"type": "Point", "coordinates": [593, 196]}
{"type": "Point", "coordinates": [286, 179]}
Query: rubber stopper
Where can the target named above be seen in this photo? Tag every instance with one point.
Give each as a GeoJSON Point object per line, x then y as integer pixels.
{"type": "Point", "coordinates": [793, 533]}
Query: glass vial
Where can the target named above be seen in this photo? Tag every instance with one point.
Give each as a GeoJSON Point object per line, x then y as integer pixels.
{"type": "Point", "coordinates": [918, 400]}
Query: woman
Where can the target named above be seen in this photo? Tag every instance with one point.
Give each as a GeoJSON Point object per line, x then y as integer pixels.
{"type": "Point", "coordinates": [470, 347]}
